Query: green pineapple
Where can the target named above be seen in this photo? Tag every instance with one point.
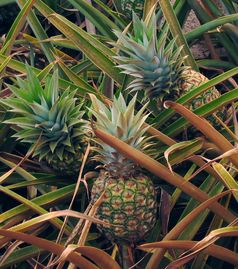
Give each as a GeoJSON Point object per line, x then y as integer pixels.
{"type": "Point", "coordinates": [157, 67]}
{"type": "Point", "coordinates": [50, 120]}
{"type": "Point", "coordinates": [130, 6]}
{"type": "Point", "coordinates": [130, 198]}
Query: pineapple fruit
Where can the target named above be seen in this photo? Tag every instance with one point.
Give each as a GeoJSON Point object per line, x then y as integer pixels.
{"type": "Point", "coordinates": [157, 67]}
{"type": "Point", "coordinates": [49, 121]}
{"type": "Point", "coordinates": [129, 201]}
{"type": "Point", "coordinates": [130, 6]}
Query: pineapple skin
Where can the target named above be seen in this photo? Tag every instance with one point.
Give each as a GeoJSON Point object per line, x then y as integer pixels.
{"type": "Point", "coordinates": [129, 6]}
{"type": "Point", "coordinates": [129, 205]}
{"type": "Point", "coordinates": [192, 79]}
{"type": "Point", "coordinates": [70, 164]}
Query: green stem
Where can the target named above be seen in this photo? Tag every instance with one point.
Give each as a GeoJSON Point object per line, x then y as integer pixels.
{"type": "Point", "coordinates": [126, 260]}
{"type": "Point", "coordinates": [177, 33]}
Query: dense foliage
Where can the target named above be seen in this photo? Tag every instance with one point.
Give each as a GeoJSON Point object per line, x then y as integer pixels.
{"type": "Point", "coordinates": [118, 133]}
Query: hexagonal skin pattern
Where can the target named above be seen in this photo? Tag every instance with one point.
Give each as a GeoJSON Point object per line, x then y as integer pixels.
{"type": "Point", "coordinates": [132, 5]}
{"type": "Point", "coordinates": [129, 205]}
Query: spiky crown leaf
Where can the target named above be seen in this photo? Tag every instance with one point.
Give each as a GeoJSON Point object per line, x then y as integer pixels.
{"type": "Point", "coordinates": [123, 122]}
{"type": "Point", "coordinates": [45, 117]}
{"type": "Point", "coordinates": [157, 66]}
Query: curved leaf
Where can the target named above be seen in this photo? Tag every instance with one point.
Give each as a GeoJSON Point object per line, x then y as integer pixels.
{"type": "Point", "coordinates": [49, 246]}
{"type": "Point", "coordinates": [215, 251]}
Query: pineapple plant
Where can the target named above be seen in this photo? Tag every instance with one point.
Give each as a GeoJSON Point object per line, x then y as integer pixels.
{"type": "Point", "coordinates": [50, 122]}
{"type": "Point", "coordinates": [129, 201]}
{"type": "Point", "coordinates": [157, 66]}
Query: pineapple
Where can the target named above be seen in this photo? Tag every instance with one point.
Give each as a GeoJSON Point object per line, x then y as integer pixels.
{"type": "Point", "coordinates": [49, 121]}
{"type": "Point", "coordinates": [130, 199]}
{"type": "Point", "coordinates": [158, 68]}
{"type": "Point", "coordinates": [130, 6]}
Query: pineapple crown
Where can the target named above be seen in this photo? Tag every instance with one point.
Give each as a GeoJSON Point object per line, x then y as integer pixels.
{"type": "Point", "coordinates": [121, 121]}
{"type": "Point", "coordinates": [157, 66]}
{"type": "Point", "coordinates": [44, 116]}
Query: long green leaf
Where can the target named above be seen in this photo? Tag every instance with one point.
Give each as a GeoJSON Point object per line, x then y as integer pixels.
{"type": "Point", "coordinates": [4, 63]}
{"type": "Point", "coordinates": [85, 45]}
{"type": "Point", "coordinates": [45, 200]}
{"type": "Point", "coordinates": [39, 32]}
{"type": "Point", "coordinates": [193, 227]}
{"type": "Point", "coordinates": [56, 222]}
{"type": "Point", "coordinates": [205, 27]}
{"type": "Point", "coordinates": [74, 78]}
{"type": "Point", "coordinates": [118, 20]}
{"type": "Point", "coordinates": [177, 33]}
{"type": "Point", "coordinates": [102, 23]}
{"type": "Point", "coordinates": [16, 27]}
{"type": "Point", "coordinates": [63, 84]}
{"type": "Point", "coordinates": [90, 46]}
{"type": "Point", "coordinates": [21, 255]}
{"type": "Point", "coordinates": [6, 2]}
{"type": "Point", "coordinates": [183, 149]}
